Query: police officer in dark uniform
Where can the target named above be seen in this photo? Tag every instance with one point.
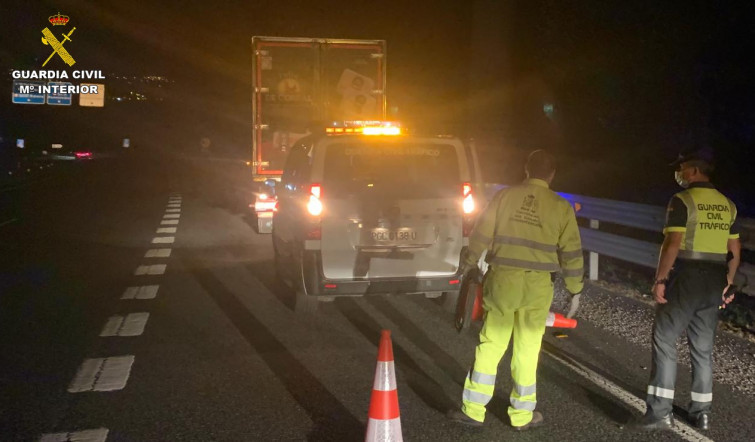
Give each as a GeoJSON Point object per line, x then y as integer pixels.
{"type": "Point", "coordinates": [691, 282]}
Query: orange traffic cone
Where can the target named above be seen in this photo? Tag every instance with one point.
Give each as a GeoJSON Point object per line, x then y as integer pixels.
{"type": "Point", "coordinates": [383, 421]}
{"type": "Point", "coordinates": [560, 321]}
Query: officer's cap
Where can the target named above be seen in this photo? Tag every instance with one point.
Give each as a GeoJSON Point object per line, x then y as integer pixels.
{"type": "Point", "coordinates": [704, 154]}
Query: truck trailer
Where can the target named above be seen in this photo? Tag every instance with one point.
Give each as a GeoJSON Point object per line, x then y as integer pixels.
{"type": "Point", "coordinates": [299, 86]}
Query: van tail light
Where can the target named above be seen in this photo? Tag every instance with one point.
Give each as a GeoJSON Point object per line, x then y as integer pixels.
{"type": "Point", "coordinates": [468, 207]}
{"type": "Point", "coordinates": [314, 205]}
{"type": "Point", "coordinates": [468, 201]}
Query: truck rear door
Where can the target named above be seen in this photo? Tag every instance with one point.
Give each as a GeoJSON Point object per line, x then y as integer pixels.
{"type": "Point", "coordinates": [285, 83]}
{"type": "Point", "coordinates": [302, 83]}
{"type": "Point", "coordinates": [353, 80]}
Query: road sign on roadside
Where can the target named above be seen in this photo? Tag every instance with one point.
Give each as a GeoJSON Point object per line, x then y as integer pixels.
{"type": "Point", "coordinates": [28, 92]}
{"type": "Point", "coordinates": [57, 98]}
{"type": "Point", "coordinates": [93, 100]}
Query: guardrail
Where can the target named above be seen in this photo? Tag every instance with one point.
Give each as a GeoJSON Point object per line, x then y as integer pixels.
{"type": "Point", "coordinates": [640, 216]}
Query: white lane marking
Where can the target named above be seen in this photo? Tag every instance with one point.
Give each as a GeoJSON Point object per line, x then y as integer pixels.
{"type": "Point", "coordinates": [172, 210]}
{"type": "Point", "coordinates": [169, 222]}
{"type": "Point", "coordinates": [131, 325]}
{"type": "Point", "coordinates": [172, 215]}
{"type": "Point", "coordinates": [154, 269]}
{"type": "Point", "coordinates": [174, 206]}
{"type": "Point", "coordinates": [158, 253]}
{"type": "Point", "coordinates": [12, 220]}
{"type": "Point", "coordinates": [98, 435]}
{"type": "Point", "coordinates": [141, 292]}
{"type": "Point", "coordinates": [682, 429]}
{"type": "Point", "coordinates": [102, 374]}
{"type": "Point", "coordinates": [166, 230]}
{"type": "Point", "coordinates": [174, 198]}
{"type": "Point", "coordinates": [163, 240]}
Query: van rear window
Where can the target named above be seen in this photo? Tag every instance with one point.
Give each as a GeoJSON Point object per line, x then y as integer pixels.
{"type": "Point", "coordinates": [411, 169]}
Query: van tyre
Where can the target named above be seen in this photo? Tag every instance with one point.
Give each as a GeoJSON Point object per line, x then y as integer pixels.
{"type": "Point", "coordinates": [280, 265]}
{"type": "Point", "coordinates": [305, 306]}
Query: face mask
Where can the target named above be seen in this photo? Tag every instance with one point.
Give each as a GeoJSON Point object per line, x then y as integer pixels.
{"type": "Point", "coordinates": [680, 180]}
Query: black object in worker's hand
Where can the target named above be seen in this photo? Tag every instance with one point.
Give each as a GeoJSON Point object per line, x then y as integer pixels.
{"type": "Point", "coordinates": [731, 290]}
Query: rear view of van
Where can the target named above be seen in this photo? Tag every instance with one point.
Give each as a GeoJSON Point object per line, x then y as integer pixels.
{"type": "Point", "coordinates": [362, 214]}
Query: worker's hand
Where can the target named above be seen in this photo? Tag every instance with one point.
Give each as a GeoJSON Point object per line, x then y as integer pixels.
{"type": "Point", "coordinates": [659, 293]}
{"type": "Point", "coordinates": [730, 291]}
{"type": "Point", "coordinates": [574, 304]}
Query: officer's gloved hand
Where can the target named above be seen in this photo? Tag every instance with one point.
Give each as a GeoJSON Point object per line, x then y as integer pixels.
{"type": "Point", "coordinates": [573, 304]}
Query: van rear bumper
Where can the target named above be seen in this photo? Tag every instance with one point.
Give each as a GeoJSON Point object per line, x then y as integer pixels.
{"type": "Point", "coordinates": [317, 285]}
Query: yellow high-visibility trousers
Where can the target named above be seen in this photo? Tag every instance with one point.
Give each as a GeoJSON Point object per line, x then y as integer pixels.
{"type": "Point", "coordinates": [515, 301]}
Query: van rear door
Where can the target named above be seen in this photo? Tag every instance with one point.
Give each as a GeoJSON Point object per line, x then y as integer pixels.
{"type": "Point", "coordinates": [392, 207]}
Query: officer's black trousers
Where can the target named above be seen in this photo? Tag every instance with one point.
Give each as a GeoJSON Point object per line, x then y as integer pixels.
{"type": "Point", "coordinates": [694, 295]}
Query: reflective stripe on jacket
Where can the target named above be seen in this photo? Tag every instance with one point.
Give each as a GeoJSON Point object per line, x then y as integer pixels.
{"type": "Point", "coordinates": [530, 227]}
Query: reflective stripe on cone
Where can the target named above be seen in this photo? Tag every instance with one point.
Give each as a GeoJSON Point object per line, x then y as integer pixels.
{"type": "Point", "coordinates": [383, 423]}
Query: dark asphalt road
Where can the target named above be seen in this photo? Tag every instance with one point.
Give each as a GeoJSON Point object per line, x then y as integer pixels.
{"type": "Point", "coordinates": [224, 358]}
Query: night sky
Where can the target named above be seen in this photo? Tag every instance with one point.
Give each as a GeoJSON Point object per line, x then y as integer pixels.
{"type": "Point", "coordinates": [630, 83]}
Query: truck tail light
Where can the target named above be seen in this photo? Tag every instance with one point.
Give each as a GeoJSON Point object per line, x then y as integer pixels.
{"type": "Point", "coordinates": [314, 205]}
{"type": "Point", "coordinates": [265, 203]}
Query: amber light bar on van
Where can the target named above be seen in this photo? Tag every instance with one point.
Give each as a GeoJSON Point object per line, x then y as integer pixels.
{"type": "Point", "coordinates": [365, 128]}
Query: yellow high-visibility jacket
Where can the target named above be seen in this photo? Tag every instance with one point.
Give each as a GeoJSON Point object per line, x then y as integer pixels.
{"type": "Point", "coordinates": [529, 227]}
{"type": "Point", "coordinates": [707, 220]}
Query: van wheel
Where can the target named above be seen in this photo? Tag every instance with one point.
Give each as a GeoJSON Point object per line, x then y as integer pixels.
{"type": "Point", "coordinates": [305, 306]}
{"type": "Point", "coordinates": [279, 264]}
{"type": "Point", "coordinates": [450, 299]}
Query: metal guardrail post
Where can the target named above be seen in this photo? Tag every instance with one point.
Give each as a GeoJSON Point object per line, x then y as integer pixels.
{"type": "Point", "coordinates": [594, 224]}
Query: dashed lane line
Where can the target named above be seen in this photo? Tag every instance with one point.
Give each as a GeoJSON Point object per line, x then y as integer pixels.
{"type": "Point", "coordinates": [169, 222]}
{"type": "Point", "coordinates": [158, 253]}
{"type": "Point", "coordinates": [682, 429]}
{"type": "Point", "coordinates": [166, 230]}
{"type": "Point", "coordinates": [163, 240]}
{"type": "Point", "coordinates": [173, 210]}
{"type": "Point", "coordinates": [97, 435]}
{"type": "Point", "coordinates": [172, 216]}
{"type": "Point", "coordinates": [154, 269]}
{"type": "Point", "coordinates": [174, 206]}
{"type": "Point", "coordinates": [131, 325]}
{"type": "Point", "coordinates": [102, 374]}
{"type": "Point", "coordinates": [141, 292]}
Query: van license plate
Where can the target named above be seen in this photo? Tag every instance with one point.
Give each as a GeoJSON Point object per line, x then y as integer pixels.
{"type": "Point", "coordinates": [403, 235]}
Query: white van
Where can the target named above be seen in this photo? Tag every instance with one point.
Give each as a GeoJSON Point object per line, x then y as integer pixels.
{"type": "Point", "coordinates": [367, 209]}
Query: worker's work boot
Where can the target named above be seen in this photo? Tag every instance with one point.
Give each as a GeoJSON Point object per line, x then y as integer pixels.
{"type": "Point", "coordinates": [649, 423]}
{"type": "Point", "coordinates": [537, 420]}
{"type": "Point", "coordinates": [460, 417]}
{"type": "Point", "coordinates": [703, 421]}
